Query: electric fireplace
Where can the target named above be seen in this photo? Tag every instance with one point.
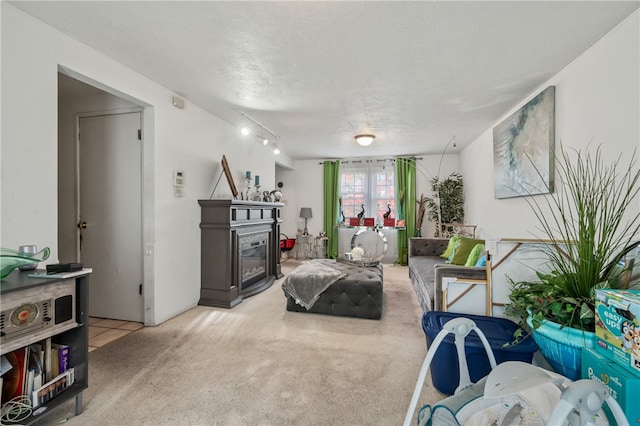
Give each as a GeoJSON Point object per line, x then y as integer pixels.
{"type": "Point", "coordinates": [240, 250]}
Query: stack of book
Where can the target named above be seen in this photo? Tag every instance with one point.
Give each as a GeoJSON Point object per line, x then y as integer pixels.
{"type": "Point", "coordinates": [39, 371]}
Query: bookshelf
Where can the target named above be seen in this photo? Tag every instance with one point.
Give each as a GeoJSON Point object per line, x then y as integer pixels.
{"type": "Point", "coordinates": [48, 312]}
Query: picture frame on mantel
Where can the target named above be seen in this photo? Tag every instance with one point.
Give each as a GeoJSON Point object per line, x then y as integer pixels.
{"type": "Point", "coordinates": [229, 176]}
{"type": "Point", "coordinates": [523, 149]}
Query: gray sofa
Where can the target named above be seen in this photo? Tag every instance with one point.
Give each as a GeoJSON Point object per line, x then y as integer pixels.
{"type": "Point", "coordinates": [427, 268]}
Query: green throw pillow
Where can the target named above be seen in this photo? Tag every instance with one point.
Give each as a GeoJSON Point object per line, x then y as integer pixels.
{"type": "Point", "coordinates": [476, 252]}
{"type": "Point", "coordinates": [450, 247]}
{"type": "Point", "coordinates": [464, 247]}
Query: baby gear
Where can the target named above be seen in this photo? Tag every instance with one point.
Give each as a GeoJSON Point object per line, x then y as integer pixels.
{"type": "Point", "coordinates": [513, 393]}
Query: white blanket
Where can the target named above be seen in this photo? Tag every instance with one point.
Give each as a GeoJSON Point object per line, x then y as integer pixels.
{"type": "Point", "coordinates": [305, 283]}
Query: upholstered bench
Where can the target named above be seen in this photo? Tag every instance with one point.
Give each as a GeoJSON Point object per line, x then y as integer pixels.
{"type": "Point", "coordinates": [358, 294]}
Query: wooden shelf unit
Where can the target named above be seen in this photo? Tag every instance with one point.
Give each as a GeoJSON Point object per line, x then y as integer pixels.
{"type": "Point", "coordinates": [75, 335]}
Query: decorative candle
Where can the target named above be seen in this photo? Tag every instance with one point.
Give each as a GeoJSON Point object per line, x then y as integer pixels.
{"type": "Point", "coordinates": [247, 174]}
{"type": "Point", "coordinates": [257, 180]}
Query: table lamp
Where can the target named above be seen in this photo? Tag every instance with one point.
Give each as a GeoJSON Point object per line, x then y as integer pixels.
{"type": "Point", "coordinates": [305, 212]}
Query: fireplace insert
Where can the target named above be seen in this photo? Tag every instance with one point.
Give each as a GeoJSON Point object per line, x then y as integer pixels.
{"type": "Point", "coordinates": [253, 259]}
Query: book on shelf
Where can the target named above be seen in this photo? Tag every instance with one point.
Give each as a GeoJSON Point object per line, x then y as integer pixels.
{"type": "Point", "coordinates": [29, 381]}
{"type": "Point", "coordinates": [61, 354]}
{"type": "Point", "coordinates": [39, 371]}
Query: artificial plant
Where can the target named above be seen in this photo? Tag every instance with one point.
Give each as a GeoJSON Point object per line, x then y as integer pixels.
{"type": "Point", "coordinates": [588, 228]}
{"type": "Point", "coordinates": [447, 203]}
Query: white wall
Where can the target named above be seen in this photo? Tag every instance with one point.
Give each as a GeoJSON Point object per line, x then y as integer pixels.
{"type": "Point", "coordinates": [597, 103]}
{"type": "Point", "coordinates": [190, 139]}
{"type": "Point", "coordinates": [302, 187]}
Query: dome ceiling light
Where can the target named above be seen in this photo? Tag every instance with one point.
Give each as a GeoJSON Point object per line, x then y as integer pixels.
{"type": "Point", "coordinates": [365, 139]}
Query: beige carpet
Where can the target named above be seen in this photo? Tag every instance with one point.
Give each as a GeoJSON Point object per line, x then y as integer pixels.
{"type": "Point", "coordinates": [258, 364]}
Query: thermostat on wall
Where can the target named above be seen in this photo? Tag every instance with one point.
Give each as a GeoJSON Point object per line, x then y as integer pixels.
{"type": "Point", "coordinates": [178, 183]}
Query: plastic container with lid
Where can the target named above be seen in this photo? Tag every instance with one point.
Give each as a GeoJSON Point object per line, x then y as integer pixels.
{"type": "Point", "coordinates": [498, 331]}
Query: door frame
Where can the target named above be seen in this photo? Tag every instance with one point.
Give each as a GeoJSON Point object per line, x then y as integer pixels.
{"type": "Point", "coordinates": [148, 195]}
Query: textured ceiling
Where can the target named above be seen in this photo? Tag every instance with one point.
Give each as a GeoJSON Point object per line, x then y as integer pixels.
{"type": "Point", "coordinates": [416, 74]}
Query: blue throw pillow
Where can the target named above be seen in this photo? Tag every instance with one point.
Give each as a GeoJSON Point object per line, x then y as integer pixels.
{"type": "Point", "coordinates": [482, 261]}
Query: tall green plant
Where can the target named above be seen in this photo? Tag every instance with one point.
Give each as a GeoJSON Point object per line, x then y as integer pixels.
{"type": "Point", "coordinates": [447, 204]}
{"type": "Point", "coordinates": [591, 232]}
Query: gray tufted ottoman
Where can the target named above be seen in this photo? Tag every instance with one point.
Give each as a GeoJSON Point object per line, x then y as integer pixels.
{"type": "Point", "coordinates": [359, 294]}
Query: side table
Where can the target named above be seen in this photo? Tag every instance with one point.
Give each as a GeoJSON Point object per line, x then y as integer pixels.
{"type": "Point", "coordinates": [305, 247]}
{"type": "Point", "coordinates": [321, 247]}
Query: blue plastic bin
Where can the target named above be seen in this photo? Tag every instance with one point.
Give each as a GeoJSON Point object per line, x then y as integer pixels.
{"type": "Point", "coordinates": [498, 331]}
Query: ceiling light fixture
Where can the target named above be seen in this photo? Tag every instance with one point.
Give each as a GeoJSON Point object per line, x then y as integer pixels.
{"type": "Point", "coordinates": [365, 139]}
{"type": "Point", "coordinates": [262, 136]}
{"type": "Point", "coordinates": [264, 140]}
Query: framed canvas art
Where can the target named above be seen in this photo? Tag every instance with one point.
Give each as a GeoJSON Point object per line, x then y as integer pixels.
{"type": "Point", "coordinates": [523, 149]}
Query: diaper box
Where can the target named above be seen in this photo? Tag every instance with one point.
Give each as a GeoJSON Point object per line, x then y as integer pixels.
{"type": "Point", "coordinates": [623, 384]}
{"type": "Point", "coordinates": [618, 326]}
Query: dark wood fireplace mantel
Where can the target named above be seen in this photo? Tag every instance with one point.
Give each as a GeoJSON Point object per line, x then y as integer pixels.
{"type": "Point", "coordinates": [228, 228]}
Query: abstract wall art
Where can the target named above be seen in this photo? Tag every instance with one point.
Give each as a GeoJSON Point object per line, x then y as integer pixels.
{"type": "Point", "coordinates": [523, 149]}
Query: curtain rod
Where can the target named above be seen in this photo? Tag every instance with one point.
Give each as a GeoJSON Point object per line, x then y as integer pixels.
{"type": "Point", "coordinates": [378, 160]}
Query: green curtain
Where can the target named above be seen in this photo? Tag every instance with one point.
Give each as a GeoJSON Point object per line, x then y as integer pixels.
{"type": "Point", "coordinates": [331, 193]}
{"type": "Point", "coordinates": [406, 201]}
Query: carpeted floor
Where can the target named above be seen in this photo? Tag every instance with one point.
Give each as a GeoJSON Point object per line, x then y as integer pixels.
{"type": "Point", "coordinates": [258, 364]}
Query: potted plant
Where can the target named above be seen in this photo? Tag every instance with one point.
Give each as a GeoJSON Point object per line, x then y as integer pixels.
{"type": "Point", "coordinates": [589, 226]}
{"type": "Point", "coordinates": [447, 204]}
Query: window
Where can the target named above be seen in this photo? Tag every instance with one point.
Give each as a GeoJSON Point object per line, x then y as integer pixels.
{"type": "Point", "coordinates": [369, 184]}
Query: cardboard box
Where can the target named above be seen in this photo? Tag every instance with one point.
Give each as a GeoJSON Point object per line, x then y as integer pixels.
{"type": "Point", "coordinates": [618, 326]}
{"type": "Point", "coordinates": [354, 221]}
{"type": "Point", "coordinates": [623, 384]}
{"type": "Point", "coordinates": [389, 221]}
{"type": "Point", "coordinates": [369, 221]}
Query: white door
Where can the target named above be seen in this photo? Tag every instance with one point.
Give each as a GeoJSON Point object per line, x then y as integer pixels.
{"type": "Point", "coordinates": [110, 213]}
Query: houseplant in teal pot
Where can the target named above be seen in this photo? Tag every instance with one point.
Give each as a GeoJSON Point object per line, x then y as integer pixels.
{"type": "Point", "coordinates": [589, 226]}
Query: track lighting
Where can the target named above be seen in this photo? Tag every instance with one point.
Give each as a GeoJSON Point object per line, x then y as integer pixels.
{"type": "Point", "coordinates": [264, 140]}
{"type": "Point", "coordinates": [262, 136]}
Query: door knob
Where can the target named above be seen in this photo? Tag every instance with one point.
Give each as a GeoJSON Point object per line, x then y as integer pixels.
{"type": "Point", "coordinates": [82, 225]}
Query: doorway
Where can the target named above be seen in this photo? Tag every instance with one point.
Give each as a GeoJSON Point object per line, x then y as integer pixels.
{"type": "Point", "coordinates": [88, 196]}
